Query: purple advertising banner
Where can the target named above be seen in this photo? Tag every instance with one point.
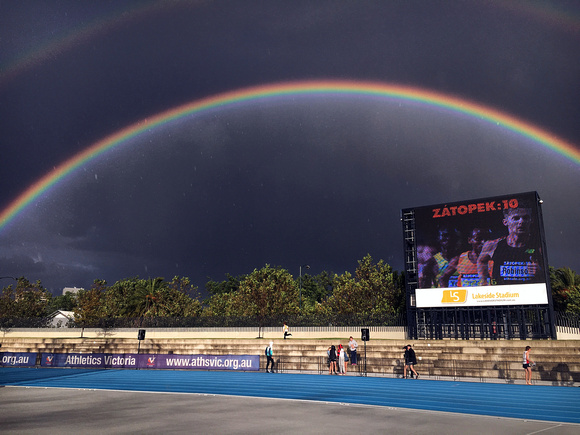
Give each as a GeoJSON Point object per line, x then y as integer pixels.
{"type": "Point", "coordinates": [89, 360]}
{"type": "Point", "coordinates": [203, 362]}
{"type": "Point", "coordinates": [152, 361]}
{"type": "Point", "coordinates": [17, 359]}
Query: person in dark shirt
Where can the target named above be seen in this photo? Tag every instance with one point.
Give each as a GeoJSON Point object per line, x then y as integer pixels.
{"type": "Point", "coordinates": [515, 258]}
{"type": "Point", "coordinates": [332, 359]}
{"type": "Point", "coordinates": [410, 361]}
{"type": "Point", "coordinates": [269, 356]}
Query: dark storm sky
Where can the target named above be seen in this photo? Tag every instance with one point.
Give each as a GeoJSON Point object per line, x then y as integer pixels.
{"type": "Point", "coordinates": [317, 180]}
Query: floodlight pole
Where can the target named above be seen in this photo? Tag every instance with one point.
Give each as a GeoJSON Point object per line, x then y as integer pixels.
{"type": "Point", "coordinates": [300, 283]}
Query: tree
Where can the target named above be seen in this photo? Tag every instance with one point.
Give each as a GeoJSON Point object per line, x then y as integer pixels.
{"type": "Point", "coordinates": [7, 302]}
{"type": "Point", "coordinates": [345, 298]}
{"type": "Point", "coordinates": [265, 292]}
{"type": "Point", "coordinates": [27, 300]}
{"type": "Point", "coordinates": [221, 300]}
{"type": "Point", "coordinates": [66, 302]}
{"type": "Point", "coordinates": [375, 289]}
{"type": "Point", "coordinates": [230, 285]}
{"type": "Point", "coordinates": [153, 297]}
{"type": "Point", "coordinates": [219, 305]}
{"type": "Point", "coordinates": [399, 292]}
{"type": "Point", "coordinates": [146, 298]}
{"type": "Point", "coordinates": [316, 289]}
{"type": "Point", "coordinates": [90, 304]}
{"type": "Point", "coordinates": [574, 302]}
{"type": "Point", "coordinates": [175, 300]}
{"type": "Point", "coordinates": [565, 285]}
{"type": "Point", "coordinates": [129, 297]}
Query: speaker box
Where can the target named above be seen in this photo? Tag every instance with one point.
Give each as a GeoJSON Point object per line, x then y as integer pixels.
{"type": "Point", "coordinates": [364, 334]}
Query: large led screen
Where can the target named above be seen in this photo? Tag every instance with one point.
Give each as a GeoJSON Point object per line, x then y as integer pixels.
{"type": "Point", "coordinates": [481, 252]}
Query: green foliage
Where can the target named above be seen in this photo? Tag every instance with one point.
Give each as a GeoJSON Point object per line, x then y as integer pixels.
{"type": "Point", "coordinates": [399, 293]}
{"type": "Point", "coordinates": [219, 305]}
{"type": "Point", "coordinates": [264, 292]}
{"type": "Point", "coordinates": [177, 301]}
{"type": "Point", "coordinates": [7, 302]}
{"type": "Point", "coordinates": [131, 297]}
{"type": "Point", "coordinates": [269, 291]}
{"type": "Point", "coordinates": [375, 289]}
{"type": "Point", "coordinates": [90, 304]}
{"type": "Point", "coordinates": [574, 302]}
{"type": "Point", "coordinates": [315, 290]}
{"type": "Point", "coordinates": [152, 297]}
{"type": "Point", "coordinates": [66, 302]}
{"type": "Point", "coordinates": [565, 285]}
{"type": "Point", "coordinates": [230, 285]}
{"type": "Point", "coordinates": [27, 300]}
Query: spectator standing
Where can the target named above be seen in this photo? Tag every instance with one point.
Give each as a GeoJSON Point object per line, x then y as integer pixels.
{"type": "Point", "coordinates": [410, 361]}
{"type": "Point", "coordinates": [332, 358]}
{"type": "Point", "coordinates": [269, 355]}
{"type": "Point", "coordinates": [352, 345]}
{"type": "Point", "coordinates": [528, 365]}
{"type": "Point", "coordinates": [341, 360]}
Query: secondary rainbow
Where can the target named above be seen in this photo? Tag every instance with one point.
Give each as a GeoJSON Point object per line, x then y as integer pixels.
{"type": "Point", "coordinates": [277, 90]}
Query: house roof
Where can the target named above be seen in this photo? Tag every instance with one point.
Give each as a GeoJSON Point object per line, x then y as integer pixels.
{"type": "Point", "coordinates": [68, 314]}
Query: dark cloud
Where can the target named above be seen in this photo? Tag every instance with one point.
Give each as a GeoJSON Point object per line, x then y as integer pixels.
{"type": "Point", "coordinates": [296, 180]}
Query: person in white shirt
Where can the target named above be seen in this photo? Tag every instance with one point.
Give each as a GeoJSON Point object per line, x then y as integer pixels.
{"type": "Point", "coordinates": [528, 363]}
{"type": "Point", "coordinates": [341, 360]}
{"type": "Point", "coordinates": [352, 345]}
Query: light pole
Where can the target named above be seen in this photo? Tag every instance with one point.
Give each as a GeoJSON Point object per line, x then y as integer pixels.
{"type": "Point", "coordinates": [300, 285]}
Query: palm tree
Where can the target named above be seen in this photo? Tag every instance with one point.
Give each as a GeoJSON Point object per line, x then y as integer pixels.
{"type": "Point", "coordinates": [565, 282]}
{"type": "Point", "coordinates": [147, 296]}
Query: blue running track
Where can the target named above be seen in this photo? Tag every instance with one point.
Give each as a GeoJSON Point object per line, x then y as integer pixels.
{"type": "Point", "coordinates": [560, 404]}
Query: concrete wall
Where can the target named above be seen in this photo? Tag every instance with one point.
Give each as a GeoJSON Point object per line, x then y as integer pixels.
{"type": "Point", "coordinates": [376, 333]}
{"type": "Point", "coordinates": [567, 333]}
{"type": "Point", "coordinates": [342, 333]}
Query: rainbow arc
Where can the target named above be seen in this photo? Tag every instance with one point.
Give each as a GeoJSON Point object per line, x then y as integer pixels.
{"type": "Point", "coordinates": [391, 91]}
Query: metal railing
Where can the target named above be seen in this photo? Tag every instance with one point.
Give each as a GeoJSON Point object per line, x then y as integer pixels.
{"type": "Point", "coordinates": [497, 371]}
{"type": "Point", "coordinates": [567, 322]}
{"type": "Point", "coordinates": [311, 321]}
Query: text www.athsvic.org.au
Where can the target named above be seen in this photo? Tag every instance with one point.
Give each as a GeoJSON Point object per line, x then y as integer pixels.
{"type": "Point", "coordinates": [209, 362]}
